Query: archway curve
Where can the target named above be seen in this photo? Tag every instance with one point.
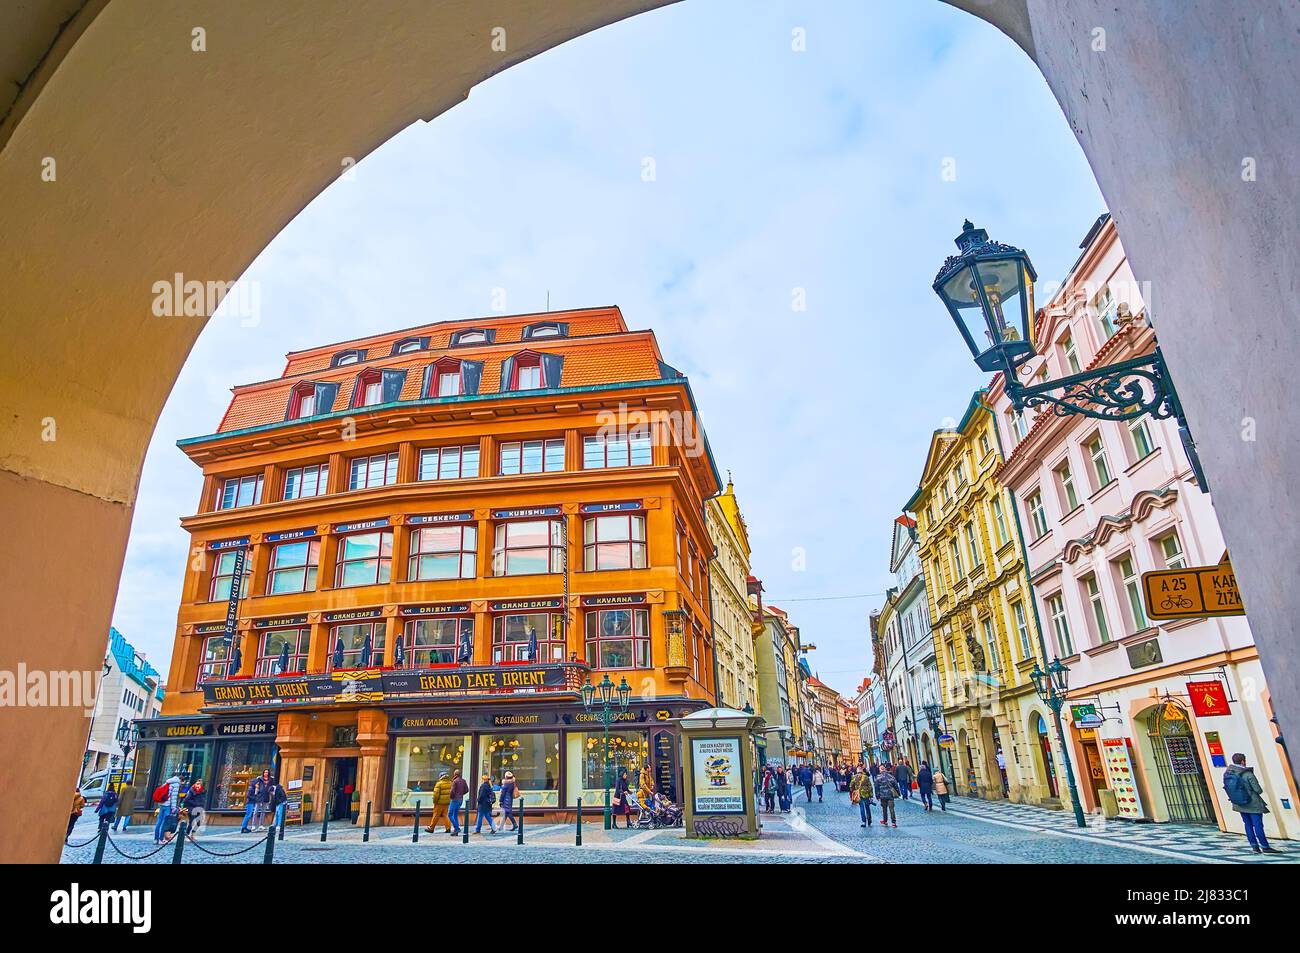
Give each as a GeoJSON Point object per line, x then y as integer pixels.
{"type": "Point", "coordinates": [204, 188]}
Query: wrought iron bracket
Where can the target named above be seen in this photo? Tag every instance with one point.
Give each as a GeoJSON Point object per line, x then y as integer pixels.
{"type": "Point", "coordinates": [1124, 390]}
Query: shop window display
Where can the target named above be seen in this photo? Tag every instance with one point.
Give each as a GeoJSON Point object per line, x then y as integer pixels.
{"type": "Point", "coordinates": [418, 762]}
{"type": "Point", "coordinates": [534, 759]}
{"type": "Point", "coordinates": [628, 751]}
{"type": "Point", "coordinates": [239, 763]}
{"type": "Point", "coordinates": [182, 756]}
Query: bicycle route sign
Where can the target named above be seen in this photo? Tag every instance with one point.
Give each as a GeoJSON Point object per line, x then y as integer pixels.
{"type": "Point", "coordinates": [1196, 592]}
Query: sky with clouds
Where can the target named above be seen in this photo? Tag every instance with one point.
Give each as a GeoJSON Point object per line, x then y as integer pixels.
{"type": "Point", "coordinates": [778, 175]}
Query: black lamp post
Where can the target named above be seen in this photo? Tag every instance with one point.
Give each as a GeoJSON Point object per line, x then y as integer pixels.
{"type": "Point", "coordinates": [607, 711]}
{"type": "Point", "coordinates": [988, 289]}
{"type": "Point", "coordinates": [933, 714]}
{"type": "Point", "coordinates": [1051, 686]}
{"type": "Point", "coordinates": [128, 733]}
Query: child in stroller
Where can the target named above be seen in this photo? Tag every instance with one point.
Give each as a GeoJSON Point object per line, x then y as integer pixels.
{"type": "Point", "coordinates": [661, 812]}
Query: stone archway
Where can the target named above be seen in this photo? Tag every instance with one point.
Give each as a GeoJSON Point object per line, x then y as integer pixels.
{"type": "Point", "coordinates": [199, 191]}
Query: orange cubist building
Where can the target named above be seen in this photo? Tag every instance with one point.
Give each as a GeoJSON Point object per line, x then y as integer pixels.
{"type": "Point", "coordinates": [435, 537]}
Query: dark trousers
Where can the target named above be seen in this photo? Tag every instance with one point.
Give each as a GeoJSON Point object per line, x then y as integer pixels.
{"type": "Point", "coordinates": [807, 790]}
{"type": "Point", "coordinates": [904, 790]}
{"type": "Point", "coordinates": [864, 810]}
{"type": "Point", "coordinates": [887, 813]}
{"type": "Point", "coordinates": [72, 822]}
{"type": "Point", "coordinates": [819, 793]}
{"type": "Point", "coordinates": [769, 801]}
{"type": "Point", "coordinates": [1254, 830]}
{"type": "Point", "coordinates": [943, 802]}
{"type": "Point", "coordinates": [926, 799]}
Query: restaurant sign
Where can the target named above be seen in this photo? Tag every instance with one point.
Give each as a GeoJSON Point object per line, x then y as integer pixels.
{"type": "Point", "coordinates": [372, 685]}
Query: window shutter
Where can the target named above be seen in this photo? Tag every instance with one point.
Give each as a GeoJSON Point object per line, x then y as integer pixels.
{"type": "Point", "coordinates": [326, 394]}
{"type": "Point", "coordinates": [471, 375]}
{"type": "Point", "coordinates": [507, 374]}
{"type": "Point", "coordinates": [288, 408]}
{"type": "Point", "coordinates": [552, 365]}
{"type": "Point", "coordinates": [426, 382]}
{"type": "Point", "coordinates": [392, 382]}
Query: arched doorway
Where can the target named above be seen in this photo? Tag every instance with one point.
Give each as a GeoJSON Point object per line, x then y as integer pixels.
{"type": "Point", "coordinates": [1043, 753]}
{"type": "Point", "coordinates": [995, 760]}
{"type": "Point", "coordinates": [1179, 771]}
{"type": "Point", "coordinates": [966, 762]}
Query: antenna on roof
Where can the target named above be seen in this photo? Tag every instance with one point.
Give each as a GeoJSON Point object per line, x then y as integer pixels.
{"type": "Point", "coordinates": [548, 299]}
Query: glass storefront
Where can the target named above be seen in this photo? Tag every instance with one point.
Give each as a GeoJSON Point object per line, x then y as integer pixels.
{"type": "Point", "coordinates": [178, 757]}
{"type": "Point", "coordinates": [534, 759]}
{"type": "Point", "coordinates": [418, 762]}
{"type": "Point", "coordinates": [238, 763]}
{"type": "Point", "coordinates": [628, 751]}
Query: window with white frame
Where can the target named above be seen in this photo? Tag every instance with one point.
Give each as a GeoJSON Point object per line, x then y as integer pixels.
{"type": "Point", "coordinates": [1070, 355]}
{"type": "Point", "coordinates": [442, 552]}
{"type": "Point", "coordinates": [631, 448]}
{"type": "Point", "coordinates": [1102, 476]}
{"type": "Point", "coordinates": [1106, 309]}
{"type": "Point", "coordinates": [1093, 592]}
{"type": "Point", "coordinates": [532, 456]}
{"type": "Point", "coordinates": [991, 643]}
{"type": "Point", "coordinates": [240, 491]}
{"type": "Point", "coordinates": [223, 575]}
{"type": "Point", "coordinates": [272, 657]}
{"type": "Point", "coordinates": [1037, 515]}
{"type": "Point", "coordinates": [613, 542]}
{"type": "Point", "coordinates": [618, 638]}
{"type": "Point", "coordinates": [1022, 629]}
{"type": "Point", "coordinates": [365, 559]}
{"type": "Point", "coordinates": [1171, 550]}
{"type": "Point", "coordinates": [528, 547]}
{"type": "Point", "coordinates": [954, 551]}
{"type": "Point", "coordinates": [1065, 483]}
{"type": "Point", "coordinates": [368, 472]}
{"type": "Point", "coordinates": [1060, 625]}
{"type": "Point", "coordinates": [449, 463]}
{"type": "Point", "coordinates": [1126, 574]}
{"type": "Point", "coordinates": [1000, 522]}
{"type": "Point", "coordinates": [1016, 421]}
{"type": "Point", "coordinates": [1139, 433]}
{"type": "Point", "coordinates": [973, 546]}
{"type": "Point", "coordinates": [293, 567]}
{"type": "Point", "coordinates": [303, 482]}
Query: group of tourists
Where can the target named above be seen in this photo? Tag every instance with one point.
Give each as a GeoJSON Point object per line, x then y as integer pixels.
{"type": "Point", "coordinates": [882, 783]}
{"type": "Point", "coordinates": [449, 795]}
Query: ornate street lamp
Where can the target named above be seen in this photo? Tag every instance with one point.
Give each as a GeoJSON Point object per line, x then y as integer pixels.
{"type": "Point", "coordinates": [1051, 686]}
{"type": "Point", "coordinates": [934, 715]}
{"type": "Point", "coordinates": [608, 711]}
{"type": "Point", "coordinates": [988, 289]}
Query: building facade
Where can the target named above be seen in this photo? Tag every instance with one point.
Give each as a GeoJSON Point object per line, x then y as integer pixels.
{"type": "Point", "coordinates": [728, 576]}
{"type": "Point", "coordinates": [130, 689]}
{"type": "Point", "coordinates": [1103, 502]}
{"type": "Point", "coordinates": [412, 549]}
{"type": "Point", "coordinates": [982, 616]}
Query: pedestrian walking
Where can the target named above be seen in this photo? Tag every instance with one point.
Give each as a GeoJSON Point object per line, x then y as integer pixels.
{"type": "Point", "coordinates": [195, 804]}
{"type": "Point", "coordinates": [1247, 797]}
{"type": "Point", "coordinates": [818, 779]}
{"type": "Point", "coordinates": [783, 789]}
{"type": "Point", "coordinates": [484, 800]}
{"type": "Point", "coordinates": [925, 785]}
{"type": "Point", "coordinates": [903, 775]}
{"type": "Point", "coordinates": [78, 802]}
{"type": "Point", "coordinates": [459, 788]}
{"type": "Point", "coordinates": [441, 801]}
{"type": "Point", "coordinates": [886, 786]}
{"type": "Point", "coordinates": [250, 805]}
{"type": "Point", "coordinates": [941, 789]}
{"type": "Point", "coordinates": [125, 801]}
{"type": "Point", "coordinates": [769, 790]}
{"type": "Point", "coordinates": [508, 792]}
{"type": "Point", "coordinates": [261, 800]}
{"type": "Point", "coordinates": [169, 805]}
{"type": "Point", "coordinates": [106, 809]}
{"type": "Point", "coordinates": [806, 779]}
{"type": "Point", "coordinates": [860, 790]}
{"type": "Point", "coordinates": [622, 801]}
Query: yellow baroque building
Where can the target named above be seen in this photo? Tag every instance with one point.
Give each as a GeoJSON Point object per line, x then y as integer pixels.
{"type": "Point", "coordinates": [986, 639]}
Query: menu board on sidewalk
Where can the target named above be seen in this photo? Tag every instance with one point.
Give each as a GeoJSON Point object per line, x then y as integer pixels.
{"type": "Point", "coordinates": [1119, 773]}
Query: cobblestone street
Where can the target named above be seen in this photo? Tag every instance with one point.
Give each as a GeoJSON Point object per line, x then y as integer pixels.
{"type": "Point", "coordinates": [970, 832]}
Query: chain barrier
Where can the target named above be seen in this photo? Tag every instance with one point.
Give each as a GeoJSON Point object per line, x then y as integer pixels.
{"type": "Point", "coordinates": [160, 849]}
{"type": "Point", "coordinates": [85, 843]}
{"type": "Point", "coordinates": [234, 853]}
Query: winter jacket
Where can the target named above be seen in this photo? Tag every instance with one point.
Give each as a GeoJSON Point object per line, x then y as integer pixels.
{"type": "Point", "coordinates": [886, 787]}
{"type": "Point", "coordinates": [459, 788]}
{"type": "Point", "coordinates": [78, 802]}
{"type": "Point", "coordinates": [941, 783]}
{"type": "Point", "coordinates": [196, 799]}
{"type": "Point", "coordinates": [924, 780]}
{"type": "Point", "coordinates": [903, 775]}
{"type": "Point", "coordinates": [261, 791]}
{"type": "Point", "coordinates": [1256, 804]}
{"type": "Point", "coordinates": [486, 796]}
{"type": "Point", "coordinates": [173, 793]}
{"type": "Point", "coordinates": [442, 792]}
{"type": "Point", "coordinates": [817, 779]}
{"type": "Point", "coordinates": [107, 803]}
{"type": "Point", "coordinates": [861, 783]}
{"type": "Point", "coordinates": [508, 791]}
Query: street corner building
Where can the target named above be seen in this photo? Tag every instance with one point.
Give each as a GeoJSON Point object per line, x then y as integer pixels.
{"type": "Point", "coordinates": [412, 551]}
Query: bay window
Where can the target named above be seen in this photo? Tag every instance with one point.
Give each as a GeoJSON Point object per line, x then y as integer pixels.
{"type": "Point", "coordinates": [449, 463]}
{"type": "Point", "coordinates": [365, 559]}
{"type": "Point", "coordinates": [280, 651]}
{"type": "Point", "coordinates": [442, 552]}
{"type": "Point", "coordinates": [240, 491]}
{"type": "Point", "coordinates": [293, 567]}
{"type": "Point", "coordinates": [304, 482]}
{"type": "Point", "coordinates": [613, 542]}
{"type": "Point", "coordinates": [213, 659]}
{"type": "Point", "coordinates": [618, 638]}
{"type": "Point", "coordinates": [512, 636]}
{"type": "Point", "coordinates": [367, 472]}
{"type": "Point", "coordinates": [528, 547]}
{"type": "Point", "coordinates": [532, 456]}
{"type": "Point", "coordinates": [629, 448]}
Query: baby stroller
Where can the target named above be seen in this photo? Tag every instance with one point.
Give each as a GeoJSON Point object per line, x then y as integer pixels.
{"type": "Point", "coordinates": [666, 813]}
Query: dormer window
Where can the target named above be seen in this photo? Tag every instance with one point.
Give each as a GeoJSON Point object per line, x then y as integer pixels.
{"type": "Point", "coordinates": [344, 358]}
{"type": "Point", "coordinates": [547, 329]}
{"type": "Point", "coordinates": [369, 389]}
{"type": "Point", "coordinates": [410, 345]}
{"type": "Point", "coordinates": [473, 336]}
{"type": "Point", "coordinates": [449, 382]}
{"type": "Point", "coordinates": [303, 402]}
{"type": "Point", "coordinates": [451, 377]}
{"type": "Point", "coordinates": [528, 373]}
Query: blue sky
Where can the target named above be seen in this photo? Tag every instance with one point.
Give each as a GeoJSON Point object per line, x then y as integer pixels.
{"type": "Point", "coordinates": [776, 173]}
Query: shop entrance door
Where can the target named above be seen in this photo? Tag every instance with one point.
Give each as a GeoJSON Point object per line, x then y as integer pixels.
{"type": "Point", "coordinates": [343, 784]}
{"type": "Point", "coordinates": [1045, 751]}
{"type": "Point", "coordinates": [1178, 765]}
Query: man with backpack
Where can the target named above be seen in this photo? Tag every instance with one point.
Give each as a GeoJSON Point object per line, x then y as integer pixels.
{"type": "Point", "coordinates": [1247, 797]}
{"type": "Point", "coordinates": [167, 796]}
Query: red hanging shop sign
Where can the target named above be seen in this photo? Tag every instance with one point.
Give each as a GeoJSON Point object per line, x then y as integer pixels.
{"type": "Point", "coordinates": [1208, 699]}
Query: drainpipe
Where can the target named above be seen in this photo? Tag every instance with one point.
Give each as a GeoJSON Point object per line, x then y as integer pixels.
{"type": "Point", "coordinates": [1038, 624]}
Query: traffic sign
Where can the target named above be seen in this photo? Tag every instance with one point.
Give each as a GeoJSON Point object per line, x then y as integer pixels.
{"type": "Point", "coordinates": [1194, 592]}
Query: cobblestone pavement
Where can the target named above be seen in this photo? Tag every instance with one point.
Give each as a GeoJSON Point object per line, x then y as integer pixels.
{"type": "Point", "coordinates": [970, 832]}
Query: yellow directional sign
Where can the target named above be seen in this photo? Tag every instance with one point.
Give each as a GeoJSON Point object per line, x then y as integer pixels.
{"type": "Point", "coordinates": [1195, 592]}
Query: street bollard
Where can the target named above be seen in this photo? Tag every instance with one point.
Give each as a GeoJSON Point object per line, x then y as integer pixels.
{"type": "Point", "coordinates": [325, 823]}
{"type": "Point", "coordinates": [270, 845]}
{"type": "Point", "coordinates": [181, 828]}
{"type": "Point", "coordinates": [365, 838]}
{"type": "Point", "coordinates": [577, 839]}
{"type": "Point", "coordinates": [283, 812]}
{"type": "Point", "coordinates": [464, 831]}
{"type": "Point", "coordinates": [415, 831]}
{"type": "Point", "coordinates": [520, 839]}
{"type": "Point", "coordinates": [99, 846]}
